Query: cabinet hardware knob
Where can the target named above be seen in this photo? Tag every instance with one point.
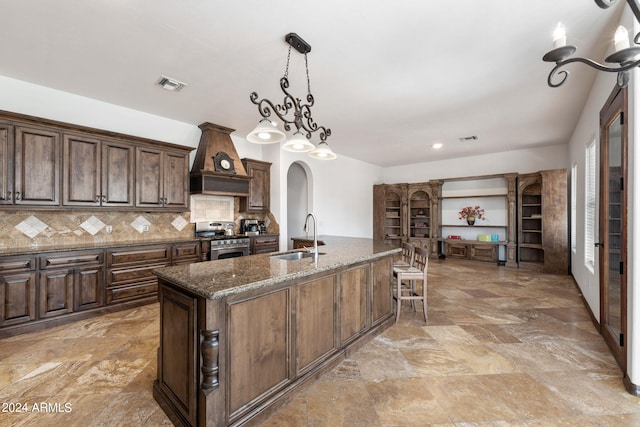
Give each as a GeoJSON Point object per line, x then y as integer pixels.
{"type": "Point", "coordinates": [18, 197]}
{"type": "Point", "coordinates": [104, 199]}
{"type": "Point", "coordinates": [97, 198]}
{"type": "Point", "coordinates": [598, 244]}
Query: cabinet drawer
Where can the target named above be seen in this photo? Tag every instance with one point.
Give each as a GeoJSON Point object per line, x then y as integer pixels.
{"type": "Point", "coordinates": [17, 264]}
{"type": "Point", "coordinates": [69, 259]}
{"type": "Point", "coordinates": [186, 251]}
{"type": "Point", "coordinates": [259, 241]}
{"type": "Point", "coordinates": [484, 253]}
{"type": "Point", "coordinates": [265, 249]}
{"type": "Point", "coordinates": [121, 276]}
{"type": "Point", "coordinates": [138, 290]}
{"type": "Point", "coordinates": [135, 256]}
{"type": "Point", "coordinates": [457, 250]}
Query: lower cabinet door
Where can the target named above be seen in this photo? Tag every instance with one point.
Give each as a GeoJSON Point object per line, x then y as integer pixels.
{"type": "Point", "coordinates": [56, 293]}
{"type": "Point", "coordinates": [17, 298]}
{"type": "Point", "coordinates": [88, 288]}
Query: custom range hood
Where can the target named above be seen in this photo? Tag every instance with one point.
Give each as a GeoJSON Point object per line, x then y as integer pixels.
{"type": "Point", "coordinates": [217, 170]}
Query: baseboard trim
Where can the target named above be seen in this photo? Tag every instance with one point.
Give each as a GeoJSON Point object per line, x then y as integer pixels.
{"type": "Point", "coordinates": [586, 304]}
{"type": "Point", "coordinates": [631, 388]}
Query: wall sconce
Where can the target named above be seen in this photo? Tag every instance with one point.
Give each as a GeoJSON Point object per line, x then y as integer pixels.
{"type": "Point", "coordinates": [291, 112]}
{"type": "Point", "coordinates": [625, 56]}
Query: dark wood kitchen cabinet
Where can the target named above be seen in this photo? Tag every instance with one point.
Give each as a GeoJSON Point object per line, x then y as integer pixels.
{"type": "Point", "coordinates": [264, 244]}
{"type": "Point", "coordinates": [70, 281]}
{"type": "Point", "coordinates": [6, 164]}
{"type": "Point", "coordinates": [259, 199]}
{"type": "Point", "coordinates": [17, 290]}
{"type": "Point", "coordinates": [162, 179]}
{"type": "Point", "coordinates": [130, 271]}
{"type": "Point", "coordinates": [186, 253]}
{"type": "Point", "coordinates": [46, 164]}
{"type": "Point", "coordinates": [97, 173]}
{"type": "Point", "coordinates": [42, 290]}
{"type": "Point", "coordinates": [37, 167]}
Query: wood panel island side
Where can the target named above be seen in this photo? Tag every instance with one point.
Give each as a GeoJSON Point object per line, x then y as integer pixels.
{"type": "Point", "coordinates": [239, 335]}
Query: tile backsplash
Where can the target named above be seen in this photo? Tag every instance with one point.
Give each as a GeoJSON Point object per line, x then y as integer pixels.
{"type": "Point", "coordinates": [21, 228]}
{"type": "Point", "coordinates": [42, 229]}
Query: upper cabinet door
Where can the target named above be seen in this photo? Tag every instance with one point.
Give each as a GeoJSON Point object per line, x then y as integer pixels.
{"type": "Point", "coordinates": [81, 171]}
{"type": "Point", "coordinates": [149, 191]}
{"type": "Point", "coordinates": [117, 174]}
{"type": "Point", "coordinates": [259, 186]}
{"type": "Point", "coordinates": [6, 164]}
{"type": "Point", "coordinates": [176, 180]}
{"type": "Point", "coordinates": [37, 167]}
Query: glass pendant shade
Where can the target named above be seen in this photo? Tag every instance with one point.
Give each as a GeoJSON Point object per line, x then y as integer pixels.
{"type": "Point", "coordinates": [266, 132]}
{"type": "Point", "coordinates": [323, 152]}
{"type": "Point", "coordinates": [298, 144]}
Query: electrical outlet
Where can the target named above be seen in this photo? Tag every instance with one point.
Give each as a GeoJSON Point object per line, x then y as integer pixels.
{"type": "Point", "coordinates": [109, 229]}
{"type": "Point", "coordinates": [145, 228]}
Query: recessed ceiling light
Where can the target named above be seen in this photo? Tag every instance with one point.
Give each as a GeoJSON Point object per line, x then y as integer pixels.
{"type": "Point", "coordinates": [437, 146]}
{"type": "Point", "coordinates": [170, 84]}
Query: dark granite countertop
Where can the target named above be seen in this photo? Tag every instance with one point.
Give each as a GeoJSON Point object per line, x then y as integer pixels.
{"type": "Point", "coordinates": [216, 279]}
{"type": "Point", "coordinates": [39, 249]}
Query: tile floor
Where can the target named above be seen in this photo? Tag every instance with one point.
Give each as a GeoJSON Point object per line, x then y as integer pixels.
{"type": "Point", "coordinates": [502, 348]}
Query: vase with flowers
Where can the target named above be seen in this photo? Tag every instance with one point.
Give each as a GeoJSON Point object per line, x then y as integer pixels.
{"type": "Point", "coordinates": [471, 214]}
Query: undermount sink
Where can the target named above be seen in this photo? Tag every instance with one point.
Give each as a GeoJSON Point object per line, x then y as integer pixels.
{"type": "Point", "coordinates": [295, 255]}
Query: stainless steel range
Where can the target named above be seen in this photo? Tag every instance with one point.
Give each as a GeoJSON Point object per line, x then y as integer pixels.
{"type": "Point", "coordinates": [224, 243]}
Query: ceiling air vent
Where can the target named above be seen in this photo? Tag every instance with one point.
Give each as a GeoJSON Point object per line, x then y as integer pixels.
{"type": "Point", "coordinates": [170, 84]}
{"type": "Point", "coordinates": [471, 138]}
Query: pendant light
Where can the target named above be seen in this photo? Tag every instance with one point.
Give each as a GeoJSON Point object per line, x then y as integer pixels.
{"type": "Point", "coordinates": [292, 111]}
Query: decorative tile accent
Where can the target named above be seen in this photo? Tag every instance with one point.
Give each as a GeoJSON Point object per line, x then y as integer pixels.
{"type": "Point", "coordinates": [179, 223]}
{"type": "Point", "coordinates": [139, 224]}
{"type": "Point", "coordinates": [92, 225]}
{"type": "Point", "coordinates": [212, 208]}
{"type": "Point", "coordinates": [31, 226]}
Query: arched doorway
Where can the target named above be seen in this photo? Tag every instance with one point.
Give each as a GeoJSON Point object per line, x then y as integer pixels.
{"type": "Point", "coordinates": [299, 199]}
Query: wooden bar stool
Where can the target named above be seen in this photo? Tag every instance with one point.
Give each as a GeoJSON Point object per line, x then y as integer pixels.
{"type": "Point", "coordinates": [412, 273]}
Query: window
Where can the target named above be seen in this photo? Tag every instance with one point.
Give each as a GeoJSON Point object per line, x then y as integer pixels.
{"type": "Point", "coordinates": [574, 207]}
{"type": "Point", "coordinates": [590, 206]}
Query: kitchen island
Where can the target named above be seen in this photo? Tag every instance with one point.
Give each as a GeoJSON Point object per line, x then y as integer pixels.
{"type": "Point", "coordinates": [239, 335]}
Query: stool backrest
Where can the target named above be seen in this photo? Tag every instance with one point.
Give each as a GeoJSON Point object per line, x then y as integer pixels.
{"type": "Point", "coordinates": [408, 252]}
{"type": "Point", "coordinates": [421, 260]}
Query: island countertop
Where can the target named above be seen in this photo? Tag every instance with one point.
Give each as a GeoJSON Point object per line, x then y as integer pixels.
{"type": "Point", "coordinates": [219, 278]}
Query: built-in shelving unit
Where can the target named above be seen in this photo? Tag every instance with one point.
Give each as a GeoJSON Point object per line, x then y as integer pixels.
{"type": "Point", "coordinates": [525, 218]}
{"type": "Point", "coordinates": [392, 216]}
{"type": "Point", "coordinates": [419, 215]}
{"type": "Point", "coordinates": [530, 226]}
{"type": "Point", "coordinates": [485, 240]}
{"type": "Point", "coordinates": [542, 221]}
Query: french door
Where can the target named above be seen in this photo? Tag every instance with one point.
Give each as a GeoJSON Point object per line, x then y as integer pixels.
{"type": "Point", "coordinates": [613, 224]}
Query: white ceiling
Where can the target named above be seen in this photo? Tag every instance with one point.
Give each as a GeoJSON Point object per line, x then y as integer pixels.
{"type": "Point", "coordinates": [390, 78]}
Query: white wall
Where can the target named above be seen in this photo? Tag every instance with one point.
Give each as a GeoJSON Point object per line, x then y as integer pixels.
{"type": "Point", "coordinates": [521, 161]}
{"type": "Point", "coordinates": [587, 129]}
{"type": "Point", "coordinates": [26, 98]}
{"type": "Point", "coordinates": [341, 193]}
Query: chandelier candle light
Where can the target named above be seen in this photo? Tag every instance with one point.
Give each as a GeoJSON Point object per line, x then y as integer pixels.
{"type": "Point", "coordinates": [291, 112]}
{"type": "Point", "coordinates": [625, 56]}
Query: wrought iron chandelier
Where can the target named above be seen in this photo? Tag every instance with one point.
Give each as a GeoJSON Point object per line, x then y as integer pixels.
{"type": "Point", "coordinates": [291, 112]}
{"type": "Point", "coordinates": [625, 56]}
